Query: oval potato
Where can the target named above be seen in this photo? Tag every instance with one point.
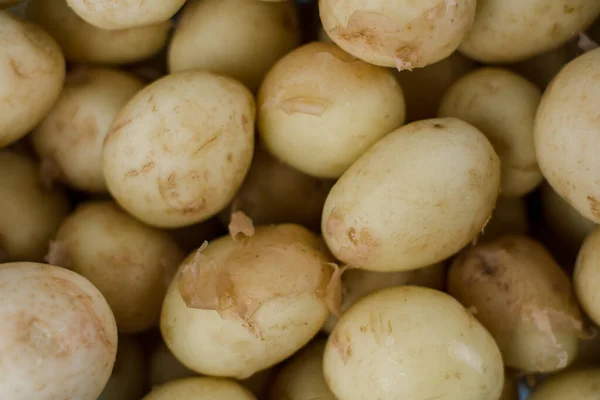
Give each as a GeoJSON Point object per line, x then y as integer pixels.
{"type": "Point", "coordinates": [203, 388]}
{"type": "Point", "coordinates": [575, 384]}
{"type": "Point", "coordinates": [586, 277]}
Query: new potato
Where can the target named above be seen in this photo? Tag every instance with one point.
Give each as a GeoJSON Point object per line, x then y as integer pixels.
{"type": "Point", "coordinates": [577, 384]}
{"type": "Point", "coordinates": [200, 389]}
{"type": "Point", "coordinates": [586, 277]}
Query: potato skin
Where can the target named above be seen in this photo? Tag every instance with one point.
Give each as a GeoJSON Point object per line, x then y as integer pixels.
{"type": "Point", "coordinates": [402, 206]}
{"type": "Point", "coordinates": [576, 384]}
{"type": "Point", "coordinates": [523, 298]}
{"type": "Point", "coordinates": [59, 337]}
{"type": "Point", "coordinates": [179, 150]}
{"type": "Point", "coordinates": [586, 277]}
{"type": "Point", "coordinates": [204, 388]}
{"type": "Point", "coordinates": [567, 131]}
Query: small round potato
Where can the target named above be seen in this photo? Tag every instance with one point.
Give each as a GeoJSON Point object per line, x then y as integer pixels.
{"type": "Point", "coordinates": [237, 38]}
{"type": "Point", "coordinates": [130, 263]}
{"type": "Point", "coordinates": [502, 105]}
{"type": "Point", "coordinates": [401, 34]}
{"type": "Point", "coordinates": [576, 384]}
{"type": "Point", "coordinates": [508, 31]}
{"type": "Point", "coordinates": [412, 343]}
{"type": "Point", "coordinates": [58, 334]}
{"type": "Point", "coordinates": [200, 389]}
{"type": "Point", "coordinates": [30, 213]}
{"type": "Point", "coordinates": [509, 216]}
{"type": "Point", "coordinates": [523, 298]}
{"type": "Point", "coordinates": [320, 109]}
{"type": "Point", "coordinates": [71, 136]}
{"type": "Point", "coordinates": [587, 275]}
{"type": "Point", "coordinates": [123, 14]}
{"type": "Point", "coordinates": [415, 198]}
{"type": "Point", "coordinates": [179, 150]}
{"type": "Point", "coordinates": [165, 367]}
{"type": "Point", "coordinates": [567, 134]}
{"type": "Point", "coordinates": [85, 43]}
{"type": "Point", "coordinates": [32, 72]}
{"type": "Point", "coordinates": [128, 374]}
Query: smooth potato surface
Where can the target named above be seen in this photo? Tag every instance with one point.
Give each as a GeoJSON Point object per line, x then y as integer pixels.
{"type": "Point", "coordinates": [578, 384]}
{"type": "Point", "coordinates": [200, 389]}
{"type": "Point", "coordinates": [586, 276]}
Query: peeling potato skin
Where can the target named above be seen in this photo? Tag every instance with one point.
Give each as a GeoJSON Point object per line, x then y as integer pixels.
{"type": "Point", "coordinates": [575, 384]}
{"type": "Point", "coordinates": [383, 348]}
{"type": "Point", "coordinates": [57, 330]}
{"type": "Point", "coordinates": [179, 150]}
{"type": "Point", "coordinates": [586, 276]}
{"type": "Point", "coordinates": [204, 388]}
{"type": "Point", "coordinates": [566, 132]}
{"type": "Point", "coordinates": [523, 298]}
{"type": "Point", "coordinates": [377, 217]}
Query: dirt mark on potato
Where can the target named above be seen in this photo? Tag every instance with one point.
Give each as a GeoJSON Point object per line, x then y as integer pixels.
{"type": "Point", "coordinates": [594, 206]}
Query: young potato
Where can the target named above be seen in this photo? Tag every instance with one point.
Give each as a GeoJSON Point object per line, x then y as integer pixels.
{"type": "Point", "coordinates": [178, 151]}
{"type": "Point", "coordinates": [320, 109]}
{"type": "Point", "coordinates": [253, 35]}
{"type": "Point", "coordinates": [575, 384]}
{"type": "Point", "coordinates": [508, 31]}
{"type": "Point", "coordinates": [586, 277]}
{"type": "Point", "coordinates": [502, 105]}
{"type": "Point", "coordinates": [69, 139]}
{"type": "Point", "coordinates": [165, 367]}
{"type": "Point", "coordinates": [523, 298]}
{"type": "Point", "coordinates": [412, 343]}
{"type": "Point", "coordinates": [32, 71]}
{"type": "Point", "coordinates": [542, 68]}
{"type": "Point", "coordinates": [85, 43]}
{"type": "Point", "coordinates": [509, 216]}
{"type": "Point", "coordinates": [401, 34]}
{"type": "Point", "coordinates": [200, 389]}
{"type": "Point", "coordinates": [567, 132]}
{"type": "Point", "coordinates": [59, 338]}
{"type": "Point", "coordinates": [128, 374]}
{"type": "Point", "coordinates": [130, 263]}
{"type": "Point", "coordinates": [403, 206]}
{"type": "Point", "coordinates": [263, 297]}
{"type": "Point", "coordinates": [123, 14]}
{"type": "Point", "coordinates": [30, 213]}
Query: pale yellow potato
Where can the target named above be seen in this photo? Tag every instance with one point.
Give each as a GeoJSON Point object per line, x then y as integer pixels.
{"type": "Point", "coordinates": [131, 263]}
{"type": "Point", "coordinates": [128, 374]}
{"type": "Point", "coordinates": [69, 139]}
{"type": "Point", "coordinates": [30, 212]}
{"type": "Point", "coordinates": [415, 198]}
{"type": "Point", "coordinates": [541, 69]}
{"type": "Point", "coordinates": [204, 388]}
{"type": "Point", "coordinates": [412, 343]}
{"type": "Point", "coordinates": [320, 109]}
{"type": "Point", "coordinates": [586, 277]}
{"type": "Point", "coordinates": [576, 384]}
{"type": "Point", "coordinates": [59, 337]}
{"type": "Point", "coordinates": [178, 151]}
{"type": "Point", "coordinates": [165, 367]}
{"type": "Point", "coordinates": [509, 216]}
{"type": "Point", "coordinates": [401, 34]}
{"type": "Point", "coordinates": [82, 42]}
{"type": "Point", "coordinates": [237, 38]}
{"type": "Point", "coordinates": [32, 72]}
{"type": "Point", "coordinates": [123, 14]}
{"type": "Point", "coordinates": [567, 132]}
{"type": "Point", "coordinates": [523, 298]}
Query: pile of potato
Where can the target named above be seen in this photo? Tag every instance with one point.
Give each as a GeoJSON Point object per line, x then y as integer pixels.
{"type": "Point", "coordinates": [332, 200]}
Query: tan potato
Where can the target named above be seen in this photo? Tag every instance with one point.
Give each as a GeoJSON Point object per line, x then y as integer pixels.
{"type": "Point", "coordinates": [502, 105]}
{"type": "Point", "coordinates": [165, 367]}
{"type": "Point", "coordinates": [567, 129]}
{"type": "Point", "coordinates": [30, 212]}
{"type": "Point", "coordinates": [586, 277]}
{"type": "Point", "coordinates": [542, 68]}
{"type": "Point", "coordinates": [128, 374]}
{"type": "Point", "coordinates": [402, 206]}
{"type": "Point", "coordinates": [179, 150]}
{"type": "Point", "coordinates": [130, 263]}
{"type": "Point", "coordinates": [523, 298]}
{"type": "Point", "coordinates": [413, 343]}
{"type": "Point", "coordinates": [508, 31]}
{"type": "Point", "coordinates": [59, 338]}
{"type": "Point", "coordinates": [237, 38]}
{"type": "Point", "coordinates": [575, 384]}
{"type": "Point", "coordinates": [70, 137]}
{"type": "Point", "coordinates": [320, 109]}
{"type": "Point", "coordinates": [401, 34]}
{"type": "Point", "coordinates": [32, 71]}
{"type": "Point", "coordinates": [200, 389]}
{"type": "Point", "coordinates": [509, 216]}
{"type": "Point", "coordinates": [85, 43]}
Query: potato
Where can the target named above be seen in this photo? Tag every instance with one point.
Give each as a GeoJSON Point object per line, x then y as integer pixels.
{"type": "Point", "coordinates": [251, 37]}
{"type": "Point", "coordinates": [508, 31]}
{"type": "Point", "coordinates": [30, 213]}
{"type": "Point", "coordinates": [263, 297]}
{"type": "Point", "coordinates": [58, 335]}
{"type": "Point", "coordinates": [413, 343]}
{"type": "Point", "coordinates": [576, 384]}
{"type": "Point", "coordinates": [401, 34]}
{"type": "Point", "coordinates": [70, 137]}
{"type": "Point", "coordinates": [586, 277]}
{"type": "Point", "coordinates": [523, 298]}
{"type": "Point", "coordinates": [566, 133]}
{"type": "Point", "coordinates": [130, 263]}
{"type": "Point", "coordinates": [32, 71]}
{"type": "Point", "coordinates": [502, 105]}
{"type": "Point", "coordinates": [402, 206]}
{"type": "Point", "coordinates": [542, 68]}
{"type": "Point", "coordinates": [128, 375]}
{"type": "Point", "coordinates": [509, 216]}
{"type": "Point", "coordinates": [177, 153]}
{"type": "Point", "coordinates": [123, 14]}
{"type": "Point", "coordinates": [164, 367]}
{"type": "Point", "coordinates": [320, 109]}
{"type": "Point", "coordinates": [85, 43]}
{"type": "Point", "coordinates": [200, 389]}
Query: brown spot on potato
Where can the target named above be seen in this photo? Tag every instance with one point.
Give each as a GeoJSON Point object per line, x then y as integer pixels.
{"type": "Point", "coordinates": [169, 191]}
{"type": "Point", "coordinates": [353, 247]}
{"type": "Point", "coordinates": [343, 346]}
{"type": "Point", "coordinates": [131, 173]}
{"type": "Point", "coordinates": [568, 9]}
{"type": "Point", "coordinates": [438, 126]}
{"type": "Point", "coordinates": [594, 206]}
{"type": "Point", "coordinates": [148, 167]}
